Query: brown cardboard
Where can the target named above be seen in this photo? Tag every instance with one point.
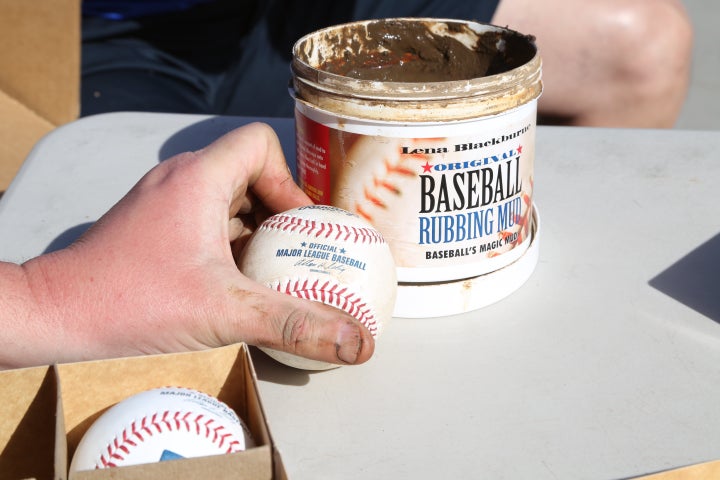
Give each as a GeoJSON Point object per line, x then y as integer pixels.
{"type": "Point", "coordinates": [27, 423]}
{"type": "Point", "coordinates": [90, 388]}
{"type": "Point", "coordinates": [48, 409]}
{"type": "Point", "coordinates": [700, 471]}
{"type": "Point", "coordinates": [39, 75]}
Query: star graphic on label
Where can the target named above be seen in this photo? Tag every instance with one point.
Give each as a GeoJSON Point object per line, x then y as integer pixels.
{"type": "Point", "coordinates": [342, 250]}
{"type": "Point", "coordinates": [303, 244]}
{"type": "Point", "coordinates": [519, 149]}
{"type": "Point", "coordinates": [427, 167]}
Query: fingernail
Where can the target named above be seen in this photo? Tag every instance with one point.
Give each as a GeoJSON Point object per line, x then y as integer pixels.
{"type": "Point", "coordinates": [348, 343]}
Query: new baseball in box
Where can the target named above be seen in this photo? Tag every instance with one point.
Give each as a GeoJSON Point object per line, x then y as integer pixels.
{"type": "Point", "coordinates": [188, 415]}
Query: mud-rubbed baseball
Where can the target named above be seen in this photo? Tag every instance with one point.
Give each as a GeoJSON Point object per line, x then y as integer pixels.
{"type": "Point", "coordinates": [325, 254]}
{"type": "Point", "coordinates": [161, 424]}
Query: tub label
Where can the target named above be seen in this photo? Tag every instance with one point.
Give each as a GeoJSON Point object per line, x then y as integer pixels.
{"type": "Point", "coordinates": [453, 201]}
{"type": "Point", "coordinates": [312, 146]}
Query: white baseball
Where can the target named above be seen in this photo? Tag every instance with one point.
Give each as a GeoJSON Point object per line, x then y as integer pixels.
{"type": "Point", "coordinates": [381, 185]}
{"type": "Point", "coordinates": [325, 254]}
{"type": "Point", "coordinates": [161, 424]}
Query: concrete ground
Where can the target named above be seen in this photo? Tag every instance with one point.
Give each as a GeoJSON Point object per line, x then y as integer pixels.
{"type": "Point", "coordinates": [702, 108]}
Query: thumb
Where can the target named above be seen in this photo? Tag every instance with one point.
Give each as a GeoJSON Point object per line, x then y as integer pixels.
{"type": "Point", "coordinates": [301, 327]}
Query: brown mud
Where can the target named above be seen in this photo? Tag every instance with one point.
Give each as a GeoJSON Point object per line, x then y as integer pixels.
{"type": "Point", "coordinates": [398, 50]}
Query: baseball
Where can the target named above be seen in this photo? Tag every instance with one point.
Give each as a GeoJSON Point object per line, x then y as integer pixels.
{"type": "Point", "coordinates": [325, 254]}
{"type": "Point", "coordinates": [379, 184]}
{"type": "Point", "coordinates": [388, 188]}
{"type": "Point", "coordinates": [161, 424]}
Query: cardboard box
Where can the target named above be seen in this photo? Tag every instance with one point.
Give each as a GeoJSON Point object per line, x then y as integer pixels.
{"type": "Point", "coordinates": [39, 75]}
{"type": "Point", "coordinates": [50, 408]}
{"type": "Point", "coordinates": [27, 423]}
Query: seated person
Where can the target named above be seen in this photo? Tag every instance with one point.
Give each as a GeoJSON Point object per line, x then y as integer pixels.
{"type": "Point", "coordinates": [620, 63]}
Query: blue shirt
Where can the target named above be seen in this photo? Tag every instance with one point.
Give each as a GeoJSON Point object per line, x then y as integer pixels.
{"type": "Point", "coordinates": [119, 9]}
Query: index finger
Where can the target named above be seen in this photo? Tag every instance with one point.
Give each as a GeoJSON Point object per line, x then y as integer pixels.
{"type": "Point", "coordinates": [250, 157]}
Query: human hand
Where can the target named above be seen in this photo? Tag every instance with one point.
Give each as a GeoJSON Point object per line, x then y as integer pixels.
{"type": "Point", "coordinates": [156, 273]}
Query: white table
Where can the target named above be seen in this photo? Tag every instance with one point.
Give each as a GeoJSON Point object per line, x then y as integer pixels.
{"type": "Point", "coordinates": [604, 365]}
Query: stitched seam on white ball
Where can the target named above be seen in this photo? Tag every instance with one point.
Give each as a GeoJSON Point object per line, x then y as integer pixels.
{"type": "Point", "coordinates": [289, 223]}
{"type": "Point", "coordinates": [163, 422]}
{"type": "Point", "coordinates": [332, 294]}
{"type": "Point", "coordinates": [371, 202]}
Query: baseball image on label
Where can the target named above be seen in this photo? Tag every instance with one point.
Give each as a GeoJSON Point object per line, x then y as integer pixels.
{"type": "Point", "coordinates": [453, 201]}
{"type": "Point", "coordinates": [325, 254]}
{"type": "Point", "coordinates": [158, 425]}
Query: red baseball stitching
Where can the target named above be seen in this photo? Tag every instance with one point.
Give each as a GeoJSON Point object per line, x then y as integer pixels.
{"type": "Point", "coordinates": [167, 421]}
{"type": "Point", "coordinates": [334, 231]}
{"type": "Point", "coordinates": [330, 294]}
{"type": "Point", "coordinates": [388, 182]}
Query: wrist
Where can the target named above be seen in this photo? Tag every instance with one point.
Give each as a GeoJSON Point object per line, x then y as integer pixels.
{"type": "Point", "coordinates": [22, 315]}
{"type": "Point", "coordinates": [41, 312]}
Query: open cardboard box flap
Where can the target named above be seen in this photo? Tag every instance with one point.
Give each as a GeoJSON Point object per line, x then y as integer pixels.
{"type": "Point", "coordinates": [27, 423]}
{"type": "Point", "coordinates": [39, 75]}
{"type": "Point", "coordinates": [50, 408]}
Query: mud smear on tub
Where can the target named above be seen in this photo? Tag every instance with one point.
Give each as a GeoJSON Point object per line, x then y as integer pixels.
{"type": "Point", "coordinates": [414, 52]}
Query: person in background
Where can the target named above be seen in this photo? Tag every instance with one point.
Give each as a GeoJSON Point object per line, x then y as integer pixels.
{"type": "Point", "coordinates": [615, 63]}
